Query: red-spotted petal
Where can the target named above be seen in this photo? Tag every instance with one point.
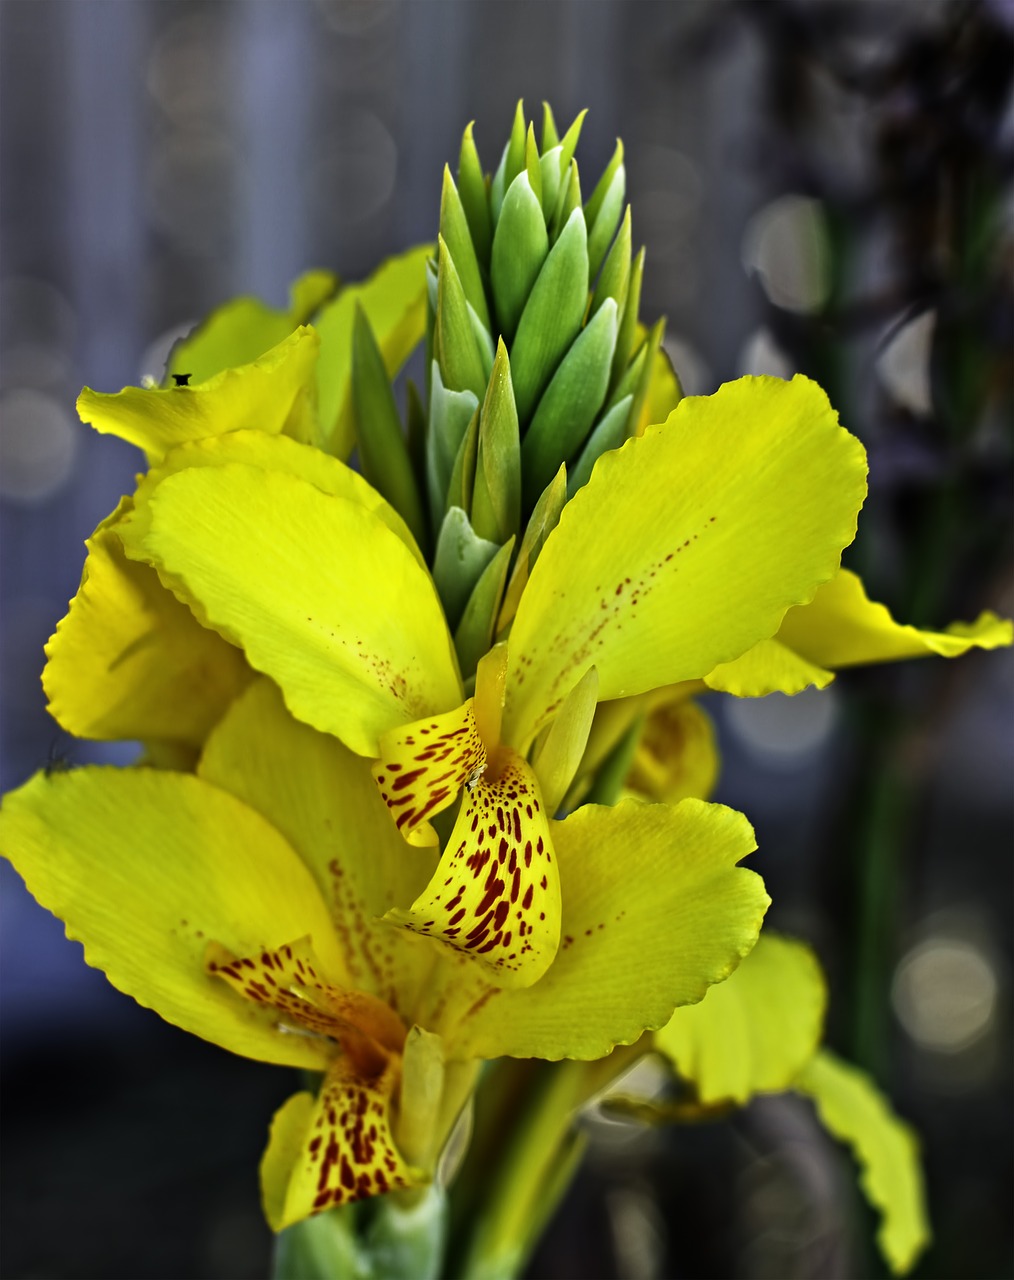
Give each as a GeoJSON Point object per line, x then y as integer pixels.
{"type": "Point", "coordinates": [424, 765]}
{"type": "Point", "coordinates": [496, 891]}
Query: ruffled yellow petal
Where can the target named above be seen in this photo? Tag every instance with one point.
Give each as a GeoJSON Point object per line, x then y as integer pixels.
{"type": "Point", "coordinates": [655, 910]}
{"type": "Point", "coordinates": [147, 868]}
{"type": "Point", "coordinates": [495, 895]}
{"type": "Point", "coordinates": [423, 766]}
{"type": "Point", "coordinates": [335, 1148]}
{"type": "Point", "coordinates": [842, 627]}
{"type": "Point", "coordinates": [316, 590]}
{"type": "Point", "coordinates": [687, 546]}
{"type": "Point", "coordinates": [130, 661]}
{"type": "Point", "coordinates": [322, 798]}
{"type": "Point", "coordinates": [755, 1032]}
{"type": "Point", "coordinates": [769, 667]}
{"type": "Point", "coordinates": [272, 394]}
{"type": "Point", "coordinates": [854, 1110]}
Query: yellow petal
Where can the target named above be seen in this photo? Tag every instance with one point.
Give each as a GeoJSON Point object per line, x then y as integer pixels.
{"type": "Point", "coordinates": [130, 661]}
{"type": "Point", "coordinates": [842, 627]}
{"type": "Point", "coordinates": [853, 1109]}
{"type": "Point", "coordinates": [687, 546]}
{"type": "Point", "coordinates": [270, 395]}
{"type": "Point", "coordinates": [677, 755]}
{"type": "Point", "coordinates": [147, 868]}
{"type": "Point", "coordinates": [495, 895]}
{"type": "Point", "coordinates": [423, 767]}
{"type": "Point", "coordinates": [315, 589]}
{"type": "Point", "coordinates": [769, 667]}
{"type": "Point", "coordinates": [323, 800]}
{"type": "Point", "coordinates": [655, 910]}
{"type": "Point", "coordinates": [755, 1032]}
{"type": "Point", "coordinates": [334, 1149]}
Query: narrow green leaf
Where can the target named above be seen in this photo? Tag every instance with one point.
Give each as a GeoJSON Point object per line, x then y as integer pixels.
{"type": "Point", "coordinates": [597, 197]}
{"type": "Point", "coordinates": [552, 316]}
{"type": "Point", "coordinates": [570, 139]}
{"type": "Point", "coordinates": [610, 432]}
{"type": "Point", "coordinates": [474, 191]}
{"type": "Point", "coordinates": [541, 524]}
{"type": "Point", "coordinates": [515, 161]}
{"type": "Point", "coordinates": [520, 246]}
{"type": "Point", "coordinates": [462, 482]}
{"type": "Point", "coordinates": [559, 752]}
{"type": "Point", "coordinates": [567, 201]}
{"type": "Point", "coordinates": [602, 230]}
{"type": "Point", "coordinates": [383, 452]}
{"type": "Point", "coordinates": [449, 416]}
{"type": "Point", "coordinates": [612, 775]}
{"type": "Point", "coordinates": [651, 345]}
{"type": "Point", "coordinates": [457, 236]}
{"type": "Point", "coordinates": [614, 280]}
{"type": "Point", "coordinates": [549, 165]}
{"type": "Point", "coordinates": [496, 499]}
{"type": "Point", "coordinates": [474, 634]}
{"type": "Point", "coordinates": [628, 322]}
{"type": "Point", "coordinates": [630, 378]}
{"type": "Point", "coordinates": [454, 344]}
{"type": "Point", "coordinates": [532, 165]}
{"type": "Point", "coordinates": [571, 401]}
{"type": "Point", "coordinates": [550, 137]}
{"type": "Point", "coordinates": [458, 564]}
{"type": "Point", "coordinates": [483, 342]}
{"type": "Point", "coordinates": [497, 189]}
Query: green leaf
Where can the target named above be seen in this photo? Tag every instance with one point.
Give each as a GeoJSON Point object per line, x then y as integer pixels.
{"type": "Point", "coordinates": [496, 500]}
{"type": "Point", "coordinates": [483, 342]}
{"type": "Point", "coordinates": [461, 556]}
{"type": "Point", "coordinates": [474, 635]}
{"type": "Point", "coordinates": [454, 343]}
{"type": "Point", "coordinates": [520, 246]}
{"type": "Point", "coordinates": [541, 524]}
{"type": "Point", "coordinates": [533, 166]}
{"type": "Point", "coordinates": [512, 161]}
{"type": "Point", "coordinates": [854, 1110]}
{"type": "Point", "coordinates": [552, 316]}
{"type": "Point", "coordinates": [598, 196]}
{"type": "Point", "coordinates": [570, 403]}
{"type": "Point", "coordinates": [550, 137]}
{"type": "Point", "coordinates": [462, 482]}
{"type": "Point", "coordinates": [570, 139]}
{"type": "Point", "coordinates": [383, 452]}
{"type": "Point", "coordinates": [649, 353]}
{"type": "Point", "coordinates": [615, 278]}
{"type": "Point", "coordinates": [449, 416]}
{"type": "Point", "coordinates": [602, 230]}
{"type": "Point", "coordinates": [567, 201]}
{"type": "Point", "coordinates": [628, 320]}
{"type": "Point", "coordinates": [610, 432]}
{"type": "Point", "coordinates": [320, 1248]}
{"type": "Point", "coordinates": [559, 751]}
{"type": "Point", "coordinates": [457, 236]}
{"type": "Point", "coordinates": [474, 191]}
{"type": "Point", "coordinates": [551, 174]}
{"type": "Point", "coordinates": [394, 299]}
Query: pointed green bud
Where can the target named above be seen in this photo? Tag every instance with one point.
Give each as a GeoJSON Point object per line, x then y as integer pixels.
{"type": "Point", "coordinates": [541, 524]}
{"type": "Point", "coordinates": [520, 246]}
{"type": "Point", "coordinates": [454, 343]}
{"type": "Point", "coordinates": [603, 227]}
{"type": "Point", "coordinates": [550, 137]}
{"type": "Point", "coordinates": [383, 452]}
{"type": "Point", "coordinates": [457, 236]}
{"type": "Point", "coordinates": [483, 342]}
{"type": "Point", "coordinates": [496, 498]}
{"type": "Point", "coordinates": [628, 321]}
{"type": "Point", "coordinates": [615, 278]}
{"type": "Point", "coordinates": [449, 415]}
{"type": "Point", "coordinates": [552, 316]}
{"type": "Point", "coordinates": [462, 482]}
{"type": "Point", "coordinates": [567, 201]}
{"type": "Point", "coordinates": [511, 163]}
{"type": "Point", "coordinates": [458, 564]}
{"type": "Point", "coordinates": [610, 432]}
{"type": "Point", "coordinates": [474, 634]}
{"type": "Point", "coordinates": [551, 172]}
{"type": "Point", "coordinates": [597, 197]}
{"type": "Point", "coordinates": [651, 347]}
{"type": "Point", "coordinates": [629, 379]}
{"type": "Point", "coordinates": [568, 146]}
{"type": "Point", "coordinates": [571, 401]}
{"type": "Point", "coordinates": [474, 192]}
{"type": "Point", "coordinates": [532, 165]}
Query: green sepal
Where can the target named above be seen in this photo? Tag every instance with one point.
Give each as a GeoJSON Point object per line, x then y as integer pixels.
{"type": "Point", "coordinates": [630, 378]}
{"type": "Point", "coordinates": [603, 228]}
{"type": "Point", "coordinates": [321, 1247]}
{"type": "Point", "coordinates": [533, 166]}
{"type": "Point", "coordinates": [459, 561]}
{"type": "Point", "coordinates": [571, 401]}
{"type": "Point", "coordinates": [520, 246]}
{"type": "Point", "coordinates": [550, 136]}
{"type": "Point", "coordinates": [609, 433]}
{"type": "Point", "coordinates": [454, 343]}
{"type": "Point", "coordinates": [628, 320]}
{"type": "Point", "coordinates": [462, 482]}
{"type": "Point", "coordinates": [611, 778]}
{"type": "Point", "coordinates": [597, 197]}
{"type": "Point", "coordinates": [615, 278]}
{"type": "Point", "coordinates": [551, 172]}
{"type": "Point", "coordinates": [511, 163]}
{"type": "Point", "coordinates": [567, 201]}
{"type": "Point", "coordinates": [496, 497]}
{"type": "Point", "coordinates": [383, 452]}
{"type": "Point", "coordinates": [474, 192]}
{"type": "Point", "coordinates": [568, 144]}
{"type": "Point", "coordinates": [541, 524]}
{"type": "Point", "coordinates": [449, 416]}
{"type": "Point", "coordinates": [457, 235]}
{"type": "Point", "coordinates": [559, 750]}
{"type": "Point", "coordinates": [474, 634]}
{"type": "Point", "coordinates": [552, 316]}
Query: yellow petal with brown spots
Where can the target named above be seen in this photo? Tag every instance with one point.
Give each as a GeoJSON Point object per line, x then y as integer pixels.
{"type": "Point", "coordinates": [496, 891]}
{"type": "Point", "coordinates": [424, 765]}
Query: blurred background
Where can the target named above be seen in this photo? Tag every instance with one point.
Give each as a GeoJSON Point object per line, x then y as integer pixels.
{"type": "Point", "coordinates": [821, 187]}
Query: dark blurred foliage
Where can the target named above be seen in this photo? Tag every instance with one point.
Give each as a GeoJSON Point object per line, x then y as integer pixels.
{"type": "Point", "coordinates": [821, 187]}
